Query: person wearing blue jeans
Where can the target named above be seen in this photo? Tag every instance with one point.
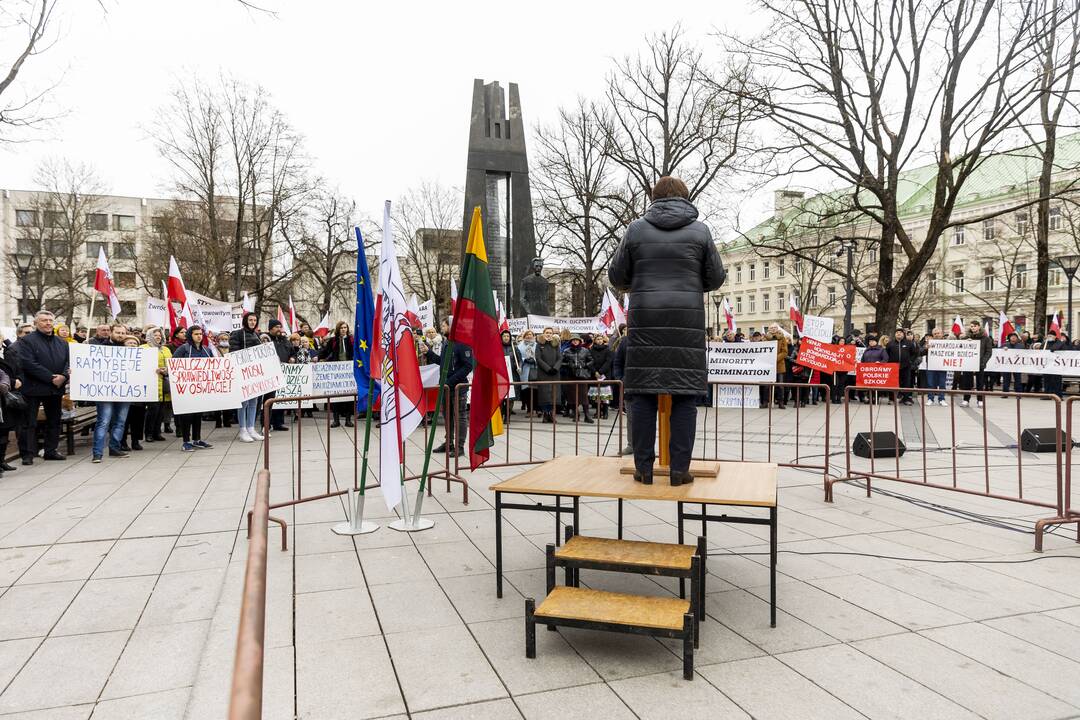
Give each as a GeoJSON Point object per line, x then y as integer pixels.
{"type": "Point", "coordinates": [111, 418]}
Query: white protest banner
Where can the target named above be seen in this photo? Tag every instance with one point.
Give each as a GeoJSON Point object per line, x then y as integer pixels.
{"type": "Point", "coordinates": [955, 355]}
{"type": "Point", "coordinates": [426, 314]}
{"type": "Point", "coordinates": [742, 362]}
{"type": "Point", "coordinates": [817, 327]}
{"type": "Point", "coordinates": [579, 325]}
{"type": "Point", "coordinates": [736, 396]}
{"type": "Point", "coordinates": [110, 373]}
{"type": "Point", "coordinates": [429, 375]}
{"type": "Point", "coordinates": [859, 353]}
{"type": "Point", "coordinates": [297, 384]}
{"type": "Point", "coordinates": [333, 378]}
{"type": "Point", "coordinates": [220, 316]}
{"type": "Point", "coordinates": [155, 313]}
{"type": "Point", "coordinates": [1018, 361]}
{"type": "Point", "coordinates": [519, 325]}
{"type": "Point", "coordinates": [537, 323]}
{"type": "Point", "coordinates": [1065, 363]}
{"type": "Point", "coordinates": [258, 370]}
{"type": "Point", "coordinates": [203, 384]}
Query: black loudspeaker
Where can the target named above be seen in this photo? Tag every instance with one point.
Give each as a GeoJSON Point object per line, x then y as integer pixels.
{"type": "Point", "coordinates": [1042, 440]}
{"type": "Point", "coordinates": [886, 444]}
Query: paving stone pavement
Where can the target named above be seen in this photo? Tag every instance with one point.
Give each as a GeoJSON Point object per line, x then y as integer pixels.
{"type": "Point", "coordinates": [120, 586]}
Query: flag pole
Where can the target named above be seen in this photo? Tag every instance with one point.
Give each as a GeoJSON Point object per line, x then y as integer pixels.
{"type": "Point", "coordinates": [355, 525]}
{"type": "Point", "coordinates": [90, 320]}
{"type": "Point", "coordinates": [448, 349]}
{"type": "Point", "coordinates": [405, 523]}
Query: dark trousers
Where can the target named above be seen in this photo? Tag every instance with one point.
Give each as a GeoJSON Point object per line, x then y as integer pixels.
{"type": "Point", "coordinates": [1013, 382]}
{"type": "Point", "coordinates": [907, 380]}
{"type": "Point", "coordinates": [1052, 385]}
{"type": "Point", "coordinates": [51, 403]}
{"type": "Point", "coordinates": [190, 425]}
{"type": "Point", "coordinates": [971, 381]}
{"type": "Point", "coordinates": [152, 423]}
{"type": "Point", "coordinates": [136, 421]}
{"type": "Point", "coordinates": [643, 430]}
{"type": "Point", "coordinates": [457, 429]}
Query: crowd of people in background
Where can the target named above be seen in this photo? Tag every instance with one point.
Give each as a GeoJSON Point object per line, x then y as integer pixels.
{"type": "Point", "coordinates": [908, 352]}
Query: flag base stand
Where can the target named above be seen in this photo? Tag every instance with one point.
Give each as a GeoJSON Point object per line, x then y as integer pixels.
{"type": "Point", "coordinates": [355, 525]}
{"type": "Point", "coordinates": [417, 525]}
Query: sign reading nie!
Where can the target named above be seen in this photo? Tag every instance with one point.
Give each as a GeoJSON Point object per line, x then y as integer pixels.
{"type": "Point", "coordinates": [826, 357]}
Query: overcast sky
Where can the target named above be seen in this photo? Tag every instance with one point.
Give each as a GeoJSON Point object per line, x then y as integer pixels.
{"type": "Point", "coordinates": [381, 91]}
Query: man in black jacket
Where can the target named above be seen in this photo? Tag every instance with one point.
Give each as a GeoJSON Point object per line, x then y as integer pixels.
{"type": "Point", "coordinates": [667, 261]}
{"type": "Point", "coordinates": [286, 354]}
{"type": "Point", "coordinates": [905, 352]}
{"type": "Point", "coordinates": [457, 380]}
{"type": "Point", "coordinates": [43, 362]}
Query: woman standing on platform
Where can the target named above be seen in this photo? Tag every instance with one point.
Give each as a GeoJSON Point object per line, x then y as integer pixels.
{"type": "Point", "coordinates": [548, 367]}
{"type": "Point", "coordinates": [667, 261]}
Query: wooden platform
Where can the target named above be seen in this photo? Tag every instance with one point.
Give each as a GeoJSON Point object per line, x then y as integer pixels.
{"type": "Point", "coordinates": [698, 468]}
{"type": "Point", "coordinates": [750, 484]}
{"type": "Point", "coordinates": [599, 606]}
{"type": "Point", "coordinates": [632, 553]}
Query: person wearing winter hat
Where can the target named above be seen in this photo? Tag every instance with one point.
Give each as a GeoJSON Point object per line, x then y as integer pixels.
{"type": "Point", "coordinates": [240, 339]}
{"type": "Point", "coordinates": [190, 424]}
{"type": "Point", "coordinates": [286, 354]}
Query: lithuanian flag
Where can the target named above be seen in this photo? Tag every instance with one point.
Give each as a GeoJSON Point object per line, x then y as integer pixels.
{"type": "Point", "coordinates": [476, 324]}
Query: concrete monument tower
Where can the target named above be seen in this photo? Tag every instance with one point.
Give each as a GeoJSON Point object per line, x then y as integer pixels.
{"type": "Point", "coordinates": [497, 179]}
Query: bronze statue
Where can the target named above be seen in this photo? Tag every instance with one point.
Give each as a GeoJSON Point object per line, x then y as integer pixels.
{"type": "Point", "coordinates": [534, 290]}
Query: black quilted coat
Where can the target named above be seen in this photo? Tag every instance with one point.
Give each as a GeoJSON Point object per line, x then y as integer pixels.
{"type": "Point", "coordinates": [667, 261]}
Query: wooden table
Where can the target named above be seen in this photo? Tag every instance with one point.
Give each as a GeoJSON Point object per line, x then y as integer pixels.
{"type": "Point", "coordinates": [743, 484]}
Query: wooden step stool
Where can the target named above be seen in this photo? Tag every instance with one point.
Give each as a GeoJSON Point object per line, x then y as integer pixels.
{"type": "Point", "coordinates": [632, 556]}
{"type": "Point", "coordinates": [614, 612]}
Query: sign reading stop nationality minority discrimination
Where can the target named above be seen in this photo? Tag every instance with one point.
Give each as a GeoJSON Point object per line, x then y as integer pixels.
{"type": "Point", "coordinates": [111, 373]}
{"type": "Point", "coordinates": [955, 355]}
{"type": "Point", "coordinates": [753, 362]}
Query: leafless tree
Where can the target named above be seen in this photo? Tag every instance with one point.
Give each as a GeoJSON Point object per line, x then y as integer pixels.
{"type": "Point", "coordinates": [427, 221]}
{"type": "Point", "coordinates": [25, 27]}
{"type": "Point", "coordinates": [236, 158]}
{"type": "Point", "coordinates": [668, 113]}
{"type": "Point", "coordinates": [581, 198]}
{"type": "Point", "coordinates": [66, 214]}
{"type": "Point", "coordinates": [867, 90]}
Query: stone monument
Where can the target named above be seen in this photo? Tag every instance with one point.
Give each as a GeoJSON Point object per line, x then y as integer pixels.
{"type": "Point", "coordinates": [497, 179]}
{"type": "Point", "coordinates": [534, 290]}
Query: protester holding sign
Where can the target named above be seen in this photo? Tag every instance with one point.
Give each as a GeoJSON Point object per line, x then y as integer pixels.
{"type": "Point", "coordinates": [246, 336]}
{"type": "Point", "coordinates": [190, 424]}
{"type": "Point", "coordinates": [1013, 379]}
{"type": "Point", "coordinates": [111, 416]}
{"type": "Point", "coordinates": [1055, 343]}
{"type": "Point", "coordinates": [977, 378]}
{"type": "Point", "coordinates": [905, 353]}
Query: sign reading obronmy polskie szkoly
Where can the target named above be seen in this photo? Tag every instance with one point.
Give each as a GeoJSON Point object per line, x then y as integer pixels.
{"type": "Point", "coordinates": [955, 355]}
{"type": "Point", "coordinates": [258, 370]}
{"type": "Point", "coordinates": [826, 357]}
{"type": "Point", "coordinates": [333, 378]}
{"type": "Point", "coordinates": [872, 375]}
{"type": "Point", "coordinates": [203, 384]}
{"type": "Point", "coordinates": [753, 362]}
{"type": "Point", "coordinates": [297, 384]}
{"type": "Point", "coordinates": [110, 373]}
{"type": "Point", "coordinates": [1034, 362]}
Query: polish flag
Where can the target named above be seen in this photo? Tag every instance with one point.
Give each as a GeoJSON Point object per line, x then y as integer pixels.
{"type": "Point", "coordinates": [987, 330]}
{"type": "Point", "coordinates": [1055, 324]}
{"type": "Point", "coordinates": [1007, 329]}
{"type": "Point", "coordinates": [176, 292]}
{"type": "Point", "coordinates": [293, 326]}
{"type": "Point", "coordinates": [957, 326]}
{"type": "Point", "coordinates": [611, 314]}
{"type": "Point", "coordinates": [324, 327]}
{"type": "Point", "coordinates": [500, 313]}
{"type": "Point", "coordinates": [284, 320]}
{"type": "Point", "coordinates": [103, 283]}
{"type": "Point", "coordinates": [729, 315]}
{"type": "Point", "coordinates": [794, 314]}
{"type": "Point", "coordinates": [412, 313]}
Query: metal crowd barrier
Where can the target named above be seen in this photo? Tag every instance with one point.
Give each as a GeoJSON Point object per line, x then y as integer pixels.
{"type": "Point", "coordinates": [245, 700]}
{"type": "Point", "coordinates": [989, 485]}
{"type": "Point", "coordinates": [1069, 514]}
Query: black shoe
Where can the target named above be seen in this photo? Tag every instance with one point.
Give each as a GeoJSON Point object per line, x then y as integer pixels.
{"type": "Point", "coordinates": [54, 456]}
{"type": "Point", "coordinates": [118, 453]}
{"type": "Point", "coordinates": [348, 422]}
{"type": "Point", "coordinates": [279, 428]}
{"type": "Point", "coordinates": [643, 478]}
{"type": "Point", "coordinates": [681, 477]}
{"type": "Point", "coordinates": [439, 449]}
{"type": "Point", "coordinates": [159, 438]}
{"type": "Point", "coordinates": [7, 467]}
{"type": "Point", "coordinates": [124, 447]}
{"type": "Point", "coordinates": [586, 418]}
{"type": "Point", "coordinates": [148, 438]}
{"type": "Point", "coordinates": [28, 461]}
{"type": "Point", "coordinates": [136, 445]}
{"type": "Point", "coordinates": [548, 419]}
{"type": "Point", "coordinates": [167, 429]}
{"type": "Point", "coordinates": [459, 452]}
{"type": "Point", "coordinates": [336, 423]}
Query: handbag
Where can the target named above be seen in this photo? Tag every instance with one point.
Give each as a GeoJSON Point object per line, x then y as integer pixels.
{"type": "Point", "coordinates": [15, 400]}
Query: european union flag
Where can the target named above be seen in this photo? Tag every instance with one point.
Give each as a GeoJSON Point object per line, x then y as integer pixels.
{"type": "Point", "coordinates": [362, 331]}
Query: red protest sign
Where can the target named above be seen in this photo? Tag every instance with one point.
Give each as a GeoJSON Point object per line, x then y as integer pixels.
{"type": "Point", "coordinates": [826, 357]}
{"type": "Point", "coordinates": [877, 375]}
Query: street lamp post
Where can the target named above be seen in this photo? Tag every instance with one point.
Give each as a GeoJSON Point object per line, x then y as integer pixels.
{"type": "Point", "coordinates": [717, 303]}
{"type": "Point", "coordinates": [23, 261]}
{"type": "Point", "coordinates": [847, 245]}
{"type": "Point", "coordinates": [1069, 264]}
